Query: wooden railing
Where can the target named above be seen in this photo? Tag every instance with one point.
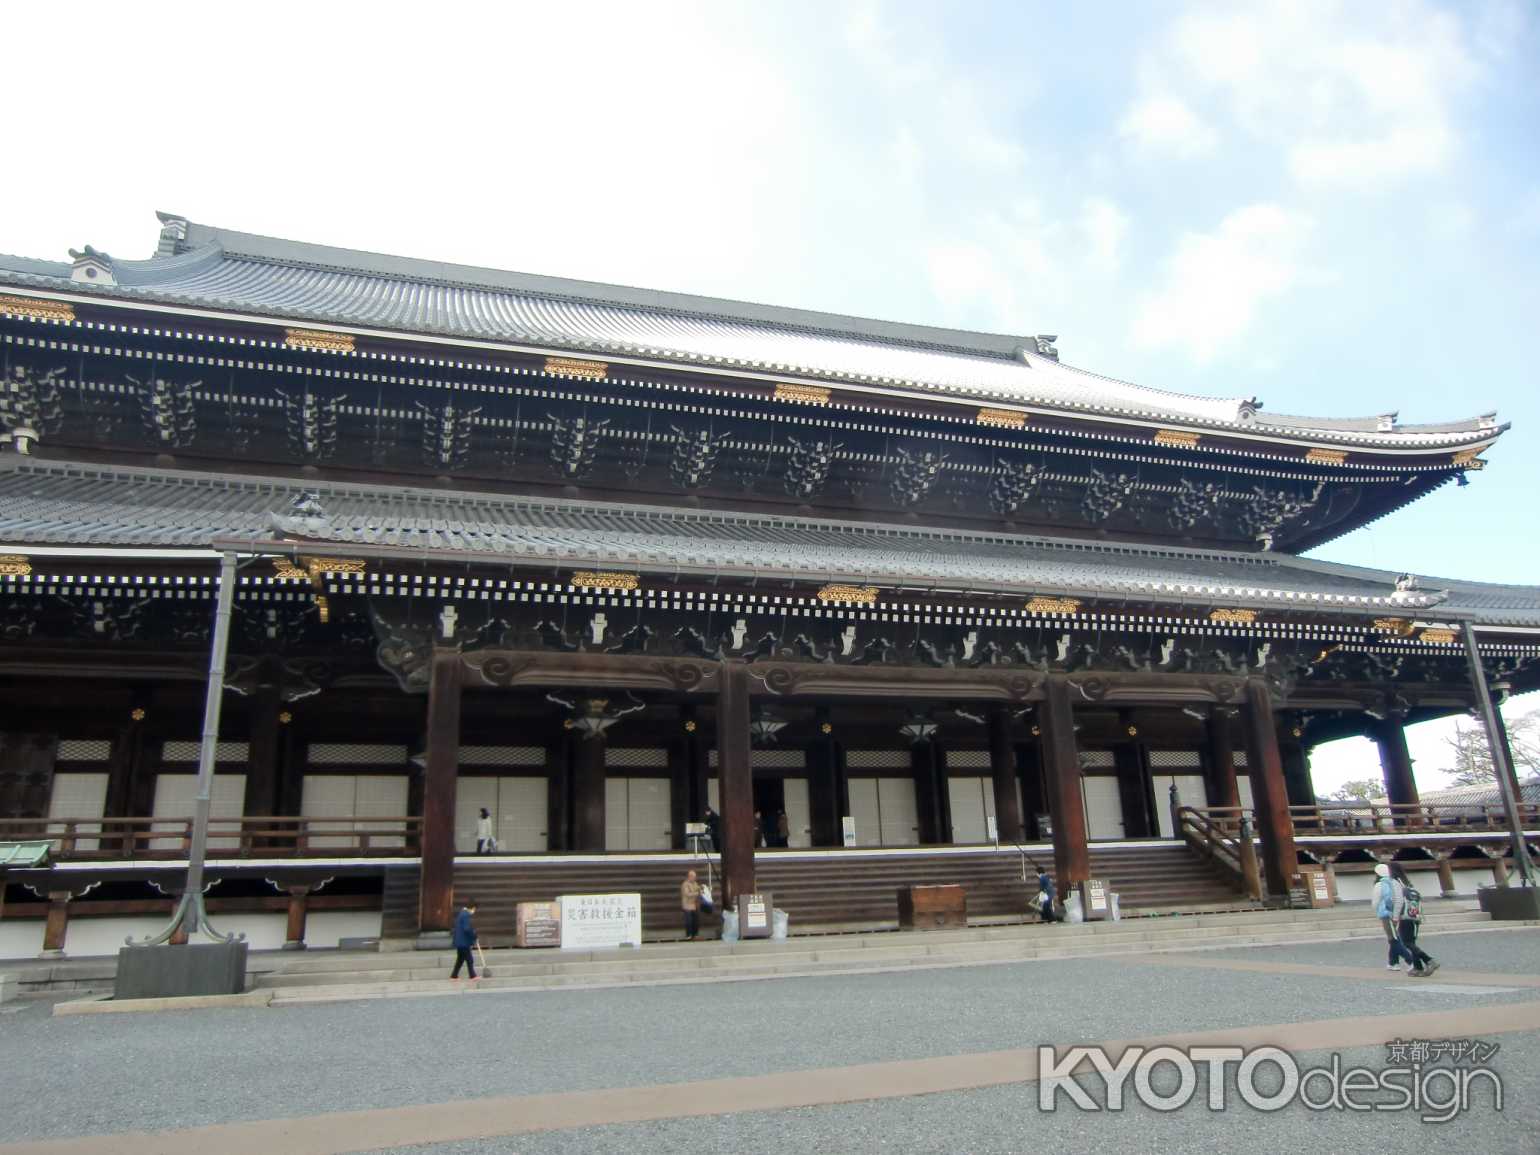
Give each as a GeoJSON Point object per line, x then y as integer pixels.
{"type": "Point", "coordinates": [255, 837]}
{"type": "Point", "coordinates": [1397, 818]}
{"type": "Point", "coordinates": [1214, 833]}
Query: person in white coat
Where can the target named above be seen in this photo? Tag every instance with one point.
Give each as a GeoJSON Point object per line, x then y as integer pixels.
{"type": "Point", "coordinates": [485, 842]}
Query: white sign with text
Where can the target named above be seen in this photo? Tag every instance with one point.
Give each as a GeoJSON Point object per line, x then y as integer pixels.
{"type": "Point", "coordinates": [595, 921]}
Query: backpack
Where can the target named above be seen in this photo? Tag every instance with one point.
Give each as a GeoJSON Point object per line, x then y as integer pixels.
{"type": "Point", "coordinates": [1413, 908]}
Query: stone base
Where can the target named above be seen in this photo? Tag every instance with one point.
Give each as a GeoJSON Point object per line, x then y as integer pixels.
{"type": "Point", "coordinates": [295, 945]}
{"type": "Point", "coordinates": [7, 988]}
{"type": "Point", "coordinates": [1508, 903]}
{"type": "Point", "coordinates": [160, 972]}
{"type": "Point", "coordinates": [435, 940]}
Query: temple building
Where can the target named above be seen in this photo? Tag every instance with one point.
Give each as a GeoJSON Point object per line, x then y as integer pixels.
{"type": "Point", "coordinates": [595, 558]}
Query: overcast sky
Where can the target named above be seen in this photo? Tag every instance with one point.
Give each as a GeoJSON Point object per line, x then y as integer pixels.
{"type": "Point", "coordinates": [1333, 207]}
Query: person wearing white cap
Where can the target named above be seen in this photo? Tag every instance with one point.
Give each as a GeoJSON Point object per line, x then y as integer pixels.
{"type": "Point", "coordinates": [1388, 901]}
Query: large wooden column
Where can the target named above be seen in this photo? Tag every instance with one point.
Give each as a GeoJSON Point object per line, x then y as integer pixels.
{"type": "Point", "coordinates": [588, 832]}
{"type": "Point", "coordinates": [735, 781]}
{"type": "Point", "coordinates": [1133, 782]}
{"type": "Point", "coordinates": [436, 903]}
{"type": "Point", "coordinates": [1061, 768]}
{"type": "Point", "coordinates": [1296, 768]}
{"type": "Point", "coordinates": [927, 763]}
{"type": "Point", "coordinates": [126, 760]}
{"type": "Point", "coordinates": [1396, 761]}
{"type": "Point", "coordinates": [1034, 792]}
{"type": "Point", "coordinates": [1219, 762]}
{"type": "Point", "coordinates": [263, 768]}
{"type": "Point", "coordinates": [1002, 764]}
{"type": "Point", "coordinates": [1280, 861]}
{"type": "Point", "coordinates": [823, 782]}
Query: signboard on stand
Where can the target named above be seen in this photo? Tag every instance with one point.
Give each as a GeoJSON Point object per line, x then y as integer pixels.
{"type": "Point", "coordinates": [754, 915]}
{"type": "Point", "coordinates": [537, 924]}
{"type": "Point", "coordinates": [597, 921]}
{"type": "Point", "coordinates": [1094, 900]}
{"type": "Point", "coordinates": [848, 827]}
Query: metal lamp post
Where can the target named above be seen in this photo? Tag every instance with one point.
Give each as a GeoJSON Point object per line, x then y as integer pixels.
{"type": "Point", "coordinates": [191, 914]}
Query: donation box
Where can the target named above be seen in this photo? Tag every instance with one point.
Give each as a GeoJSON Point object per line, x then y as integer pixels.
{"type": "Point", "coordinates": [754, 915]}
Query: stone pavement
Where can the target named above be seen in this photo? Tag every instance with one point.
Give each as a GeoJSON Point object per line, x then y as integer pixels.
{"type": "Point", "coordinates": [933, 1060]}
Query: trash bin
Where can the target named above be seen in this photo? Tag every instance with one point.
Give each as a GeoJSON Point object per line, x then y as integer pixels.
{"type": "Point", "coordinates": [1113, 896]}
{"type": "Point", "coordinates": [729, 926]}
{"type": "Point", "coordinates": [780, 924]}
{"type": "Point", "coordinates": [1072, 911]}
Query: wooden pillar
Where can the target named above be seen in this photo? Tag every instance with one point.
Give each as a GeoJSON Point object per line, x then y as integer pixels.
{"type": "Point", "coordinates": [126, 760]}
{"type": "Point", "coordinates": [1002, 764]}
{"type": "Point", "coordinates": [1133, 782]}
{"type": "Point", "coordinates": [1296, 770]}
{"type": "Point", "coordinates": [294, 934]}
{"type": "Point", "coordinates": [558, 791]}
{"type": "Point", "coordinates": [697, 761]}
{"type": "Point", "coordinates": [928, 767]}
{"type": "Point", "coordinates": [1219, 764]}
{"type": "Point", "coordinates": [1396, 761]}
{"type": "Point", "coordinates": [1034, 792]}
{"type": "Point", "coordinates": [436, 905]}
{"type": "Point", "coordinates": [262, 761]}
{"type": "Point", "coordinates": [1061, 766]}
{"type": "Point", "coordinates": [735, 781]}
{"type": "Point", "coordinates": [588, 773]}
{"type": "Point", "coordinates": [1445, 877]}
{"type": "Point", "coordinates": [822, 782]}
{"type": "Point", "coordinates": [1280, 861]}
{"type": "Point", "coordinates": [57, 926]}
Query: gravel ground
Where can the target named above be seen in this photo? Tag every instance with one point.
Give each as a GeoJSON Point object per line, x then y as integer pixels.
{"type": "Point", "coordinates": [195, 1067]}
{"type": "Point", "coordinates": [1008, 1120]}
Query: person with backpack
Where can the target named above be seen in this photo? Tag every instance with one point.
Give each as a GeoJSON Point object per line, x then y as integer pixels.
{"type": "Point", "coordinates": [1423, 964]}
{"type": "Point", "coordinates": [1389, 901]}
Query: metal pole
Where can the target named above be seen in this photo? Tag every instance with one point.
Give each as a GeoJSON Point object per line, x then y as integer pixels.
{"type": "Point", "coordinates": [1499, 755]}
{"type": "Point", "coordinates": [190, 913]}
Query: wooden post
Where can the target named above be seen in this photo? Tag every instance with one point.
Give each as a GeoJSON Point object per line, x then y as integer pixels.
{"type": "Point", "coordinates": [57, 926]}
{"type": "Point", "coordinates": [262, 771]}
{"type": "Point", "coordinates": [1219, 766]}
{"type": "Point", "coordinates": [926, 768]}
{"type": "Point", "coordinates": [436, 904]}
{"type": "Point", "coordinates": [1296, 768]}
{"type": "Point", "coordinates": [1061, 765]}
{"type": "Point", "coordinates": [1251, 876]}
{"type": "Point", "coordinates": [1396, 762]}
{"type": "Point", "coordinates": [735, 781]}
{"type": "Point", "coordinates": [822, 782]}
{"type": "Point", "coordinates": [1280, 860]}
{"type": "Point", "coordinates": [1002, 764]}
{"type": "Point", "coordinates": [1034, 792]}
{"type": "Point", "coordinates": [294, 934]}
{"type": "Point", "coordinates": [1133, 781]}
{"type": "Point", "coordinates": [1445, 876]}
{"type": "Point", "coordinates": [588, 774]}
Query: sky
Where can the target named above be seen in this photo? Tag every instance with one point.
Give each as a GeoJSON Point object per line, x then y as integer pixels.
{"type": "Point", "coordinates": [1333, 207]}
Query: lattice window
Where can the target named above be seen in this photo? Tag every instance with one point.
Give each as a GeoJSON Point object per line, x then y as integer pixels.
{"type": "Point", "coordinates": [1239, 758]}
{"type": "Point", "coordinates": [355, 754]}
{"type": "Point", "coordinates": [877, 759]}
{"type": "Point", "coordinates": [784, 759]}
{"type": "Point", "coordinates": [502, 755]}
{"type": "Point", "coordinates": [84, 750]}
{"type": "Point", "coordinates": [223, 752]}
{"type": "Point", "coordinates": [1096, 760]}
{"type": "Point", "coordinates": [1165, 759]}
{"type": "Point", "coordinates": [634, 756]}
{"type": "Point", "coordinates": [968, 759]}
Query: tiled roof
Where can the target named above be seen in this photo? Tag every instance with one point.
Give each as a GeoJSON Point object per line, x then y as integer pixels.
{"type": "Point", "coordinates": [55, 503]}
{"type": "Point", "coordinates": [220, 269]}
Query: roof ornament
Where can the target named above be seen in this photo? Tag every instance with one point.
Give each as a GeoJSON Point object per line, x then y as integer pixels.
{"type": "Point", "coordinates": [1045, 345]}
{"type": "Point", "coordinates": [1248, 409]}
{"type": "Point", "coordinates": [1409, 592]}
{"type": "Point", "coordinates": [1386, 422]}
{"type": "Point", "coordinates": [173, 234]}
{"type": "Point", "coordinates": [305, 517]}
{"type": "Point", "coordinates": [92, 267]}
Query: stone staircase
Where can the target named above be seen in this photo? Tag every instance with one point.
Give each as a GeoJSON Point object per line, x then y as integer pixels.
{"type": "Point", "coordinates": [821, 893]}
{"type": "Point", "coordinates": [332, 977]}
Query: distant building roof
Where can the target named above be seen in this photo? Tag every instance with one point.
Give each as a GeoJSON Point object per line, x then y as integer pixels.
{"type": "Point", "coordinates": [59, 503]}
{"type": "Point", "coordinates": [219, 269]}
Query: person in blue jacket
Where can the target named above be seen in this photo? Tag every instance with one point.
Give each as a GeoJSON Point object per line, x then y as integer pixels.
{"type": "Point", "coordinates": [1389, 899]}
{"type": "Point", "coordinates": [1046, 898]}
{"type": "Point", "coordinates": [463, 936]}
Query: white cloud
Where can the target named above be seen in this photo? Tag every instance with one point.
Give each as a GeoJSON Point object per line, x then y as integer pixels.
{"type": "Point", "coordinates": [1164, 124]}
{"type": "Point", "coordinates": [1216, 282]}
{"type": "Point", "coordinates": [1104, 225]}
{"type": "Point", "coordinates": [1354, 97]}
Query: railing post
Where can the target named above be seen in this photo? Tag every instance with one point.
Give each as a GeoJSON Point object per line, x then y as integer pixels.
{"type": "Point", "coordinates": [1250, 873]}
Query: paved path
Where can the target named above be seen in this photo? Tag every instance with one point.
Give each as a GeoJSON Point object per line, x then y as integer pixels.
{"type": "Point", "coordinates": [933, 1060]}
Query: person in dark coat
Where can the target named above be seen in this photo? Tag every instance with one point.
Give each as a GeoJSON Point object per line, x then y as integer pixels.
{"type": "Point", "coordinates": [463, 936]}
{"type": "Point", "coordinates": [713, 822]}
{"type": "Point", "coordinates": [782, 830]}
{"type": "Point", "coordinates": [1045, 898]}
{"type": "Point", "coordinates": [760, 838]}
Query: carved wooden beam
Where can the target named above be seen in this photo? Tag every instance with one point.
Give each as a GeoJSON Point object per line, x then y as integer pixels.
{"type": "Point", "coordinates": [814, 678]}
{"type": "Point", "coordinates": [512, 668]}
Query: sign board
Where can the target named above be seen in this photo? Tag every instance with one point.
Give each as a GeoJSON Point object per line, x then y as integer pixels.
{"type": "Point", "coordinates": [1318, 888]}
{"type": "Point", "coordinates": [537, 924]}
{"type": "Point", "coordinates": [991, 829]}
{"type": "Point", "coordinates": [596, 921]}
{"type": "Point", "coordinates": [1094, 900]}
{"type": "Point", "coordinates": [1044, 826]}
{"type": "Point", "coordinates": [848, 826]}
{"type": "Point", "coordinates": [754, 915]}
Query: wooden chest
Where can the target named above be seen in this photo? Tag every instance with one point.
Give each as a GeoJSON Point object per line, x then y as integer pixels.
{"type": "Point", "coordinates": [932, 907]}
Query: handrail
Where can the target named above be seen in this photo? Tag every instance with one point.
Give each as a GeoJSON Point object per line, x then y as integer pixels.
{"type": "Point", "coordinates": [1212, 838]}
{"type": "Point", "coordinates": [167, 836]}
{"type": "Point", "coordinates": [1382, 817]}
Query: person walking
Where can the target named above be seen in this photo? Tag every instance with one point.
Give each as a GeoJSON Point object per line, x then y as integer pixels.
{"type": "Point", "coordinates": [1389, 899]}
{"type": "Point", "coordinates": [759, 830]}
{"type": "Point", "coordinates": [463, 936]}
{"type": "Point", "coordinates": [689, 902]}
{"type": "Point", "coordinates": [713, 830]}
{"type": "Point", "coordinates": [485, 843]}
{"type": "Point", "coordinates": [1410, 920]}
{"type": "Point", "coordinates": [782, 830]}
